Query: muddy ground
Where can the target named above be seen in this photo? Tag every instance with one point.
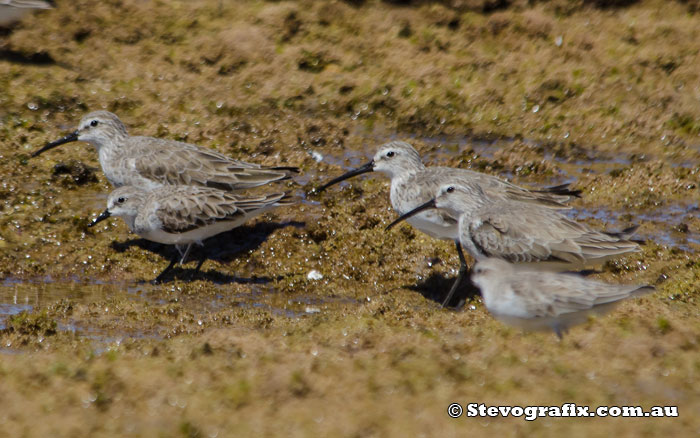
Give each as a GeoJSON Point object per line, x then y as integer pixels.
{"type": "Point", "coordinates": [605, 95]}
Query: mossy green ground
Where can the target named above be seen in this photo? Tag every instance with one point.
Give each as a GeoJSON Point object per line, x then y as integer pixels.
{"type": "Point", "coordinates": [604, 97]}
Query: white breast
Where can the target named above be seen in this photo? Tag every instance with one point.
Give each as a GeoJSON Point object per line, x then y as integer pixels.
{"type": "Point", "coordinates": [501, 300]}
{"type": "Point", "coordinates": [406, 196]}
{"type": "Point", "coordinates": [193, 236]}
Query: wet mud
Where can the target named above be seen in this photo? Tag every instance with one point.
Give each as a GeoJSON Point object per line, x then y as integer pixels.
{"type": "Point", "coordinates": [312, 320]}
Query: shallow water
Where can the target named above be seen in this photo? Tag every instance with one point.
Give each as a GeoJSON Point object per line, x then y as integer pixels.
{"type": "Point", "coordinates": [669, 220]}
{"type": "Point", "coordinates": [447, 147]}
{"type": "Point", "coordinates": [18, 296]}
{"type": "Point", "coordinates": [33, 296]}
{"type": "Point", "coordinates": [29, 296]}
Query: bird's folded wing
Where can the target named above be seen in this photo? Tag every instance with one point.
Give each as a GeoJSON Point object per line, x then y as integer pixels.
{"type": "Point", "coordinates": [176, 163]}
{"type": "Point", "coordinates": [187, 208]}
{"type": "Point", "coordinates": [554, 295]}
{"type": "Point", "coordinates": [183, 212]}
{"type": "Point", "coordinates": [514, 240]}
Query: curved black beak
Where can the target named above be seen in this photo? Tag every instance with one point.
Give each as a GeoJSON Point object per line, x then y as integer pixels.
{"type": "Point", "coordinates": [73, 136]}
{"type": "Point", "coordinates": [428, 205]}
{"type": "Point", "coordinates": [365, 168]}
{"type": "Point", "coordinates": [104, 215]}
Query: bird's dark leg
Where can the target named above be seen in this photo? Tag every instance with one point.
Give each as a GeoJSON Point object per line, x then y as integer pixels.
{"type": "Point", "coordinates": [200, 261]}
{"type": "Point", "coordinates": [160, 276]}
{"type": "Point", "coordinates": [560, 331]}
{"type": "Point", "coordinates": [463, 269]}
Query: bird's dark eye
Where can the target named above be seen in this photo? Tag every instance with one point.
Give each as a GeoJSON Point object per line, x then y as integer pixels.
{"type": "Point", "coordinates": [390, 154]}
{"type": "Point", "coordinates": [94, 123]}
{"type": "Point", "coordinates": [121, 200]}
{"type": "Point", "coordinates": [450, 189]}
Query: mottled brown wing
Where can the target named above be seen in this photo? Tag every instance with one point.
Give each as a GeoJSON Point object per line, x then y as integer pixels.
{"type": "Point", "coordinates": [177, 163]}
{"type": "Point", "coordinates": [515, 239]}
{"type": "Point", "coordinates": [552, 197]}
{"type": "Point", "coordinates": [551, 299]}
{"type": "Point", "coordinates": [187, 208]}
{"type": "Point", "coordinates": [552, 294]}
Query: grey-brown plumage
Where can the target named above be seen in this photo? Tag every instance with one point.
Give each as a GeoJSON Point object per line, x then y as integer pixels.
{"type": "Point", "coordinates": [150, 162]}
{"type": "Point", "coordinates": [525, 233]}
{"type": "Point", "coordinates": [15, 10]}
{"type": "Point", "coordinates": [522, 232]}
{"type": "Point", "coordinates": [537, 300]}
{"type": "Point", "coordinates": [185, 215]}
{"type": "Point", "coordinates": [413, 184]}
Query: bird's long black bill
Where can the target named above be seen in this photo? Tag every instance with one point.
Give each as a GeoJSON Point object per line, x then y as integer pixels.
{"type": "Point", "coordinates": [73, 136]}
{"type": "Point", "coordinates": [104, 215]}
{"type": "Point", "coordinates": [428, 205]}
{"type": "Point", "coordinates": [365, 168]}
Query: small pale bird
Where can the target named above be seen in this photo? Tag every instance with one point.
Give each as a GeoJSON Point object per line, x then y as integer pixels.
{"type": "Point", "coordinates": [522, 232]}
{"type": "Point", "coordinates": [150, 162]}
{"type": "Point", "coordinates": [185, 215]}
{"type": "Point", "coordinates": [540, 300]}
{"type": "Point", "coordinates": [413, 183]}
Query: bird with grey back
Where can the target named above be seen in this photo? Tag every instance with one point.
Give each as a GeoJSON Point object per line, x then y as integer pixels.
{"type": "Point", "coordinates": [413, 183]}
{"type": "Point", "coordinates": [185, 215]}
{"type": "Point", "coordinates": [536, 300]}
{"type": "Point", "coordinates": [522, 232]}
{"type": "Point", "coordinates": [150, 162]}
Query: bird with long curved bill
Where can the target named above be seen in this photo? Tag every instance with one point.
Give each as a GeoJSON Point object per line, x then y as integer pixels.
{"type": "Point", "coordinates": [413, 183]}
{"type": "Point", "coordinates": [185, 215]}
{"type": "Point", "coordinates": [150, 162]}
{"type": "Point", "coordinates": [522, 232]}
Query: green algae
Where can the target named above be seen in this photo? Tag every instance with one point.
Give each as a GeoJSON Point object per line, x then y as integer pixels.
{"type": "Point", "coordinates": [34, 324]}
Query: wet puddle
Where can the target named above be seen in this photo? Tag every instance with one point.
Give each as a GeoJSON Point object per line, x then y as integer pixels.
{"type": "Point", "coordinates": [670, 219]}
{"type": "Point", "coordinates": [17, 296]}
{"type": "Point", "coordinates": [34, 296]}
{"type": "Point", "coordinates": [447, 147]}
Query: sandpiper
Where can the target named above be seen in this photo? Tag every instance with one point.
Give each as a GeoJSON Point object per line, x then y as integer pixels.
{"type": "Point", "coordinates": [185, 215]}
{"type": "Point", "coordinates": [149, 162]}
{"type": "Point", "coordinates": [537, 300]}
{"type": "Point", "coordinates": [413, 183]}
{"type": "Point", "coordinates": [522, 232]}
{"type": "Point", "coordinates": [14, 10]}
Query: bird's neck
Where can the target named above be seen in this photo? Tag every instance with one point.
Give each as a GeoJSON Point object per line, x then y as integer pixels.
{"type": "Point", "coordinates": [130, 221]}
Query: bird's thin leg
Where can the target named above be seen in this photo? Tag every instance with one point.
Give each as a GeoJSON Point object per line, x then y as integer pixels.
{"type": "Point", "coordinates": [160, 276]}
{"type": "Point", "coordinates": [463, 269]}
{"type": "Point", "coordinates": [202, 258]}
{"type": "Point", "coordinates": [560, 331]}
{"type": "Point", "coordinates": [184, 256]}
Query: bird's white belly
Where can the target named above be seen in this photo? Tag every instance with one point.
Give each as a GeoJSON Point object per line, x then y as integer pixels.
{"type": "Point", "coordinates": [11, 13]}
{"type": "Point", "coordinates": [405, 196]}
{"type": "Point", "coordinates": [119, 179]}
{"type": "Point", "coordinates": [528, 324]}
{"type": "Point", "coordinates": [193, 236]}
{"type": "Point", "coordinates": [123, 176]}
{"type": "Point", "coordinates": [434, 226]}
{"type": "Point", "coordinates": [505, 304]}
